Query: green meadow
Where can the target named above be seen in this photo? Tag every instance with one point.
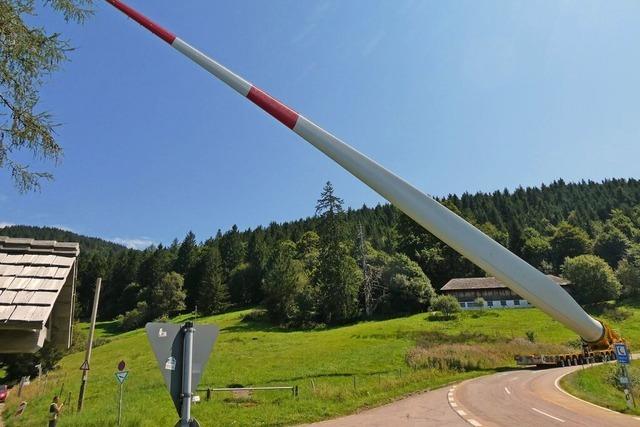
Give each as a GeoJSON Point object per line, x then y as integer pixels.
{"type": "Point", "coordinates": [337, 370]}
{"type": "Point", "coordinates": [599, 385]}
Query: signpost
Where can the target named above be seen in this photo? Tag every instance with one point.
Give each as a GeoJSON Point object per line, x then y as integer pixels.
{"type": "Point", "coordinates": [182, 352]}
{"type": "Point", "coordinates": [121, 375]}
{"type": "Point", "coordinates": [624, 358]}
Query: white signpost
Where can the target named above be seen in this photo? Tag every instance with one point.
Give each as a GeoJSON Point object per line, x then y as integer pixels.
{"type": "Point", "coordinates": [182, 352]}
{"type": "Point", "coordinates": [624, 358]}
{"type": "Point", "coordinates": [121, 375]}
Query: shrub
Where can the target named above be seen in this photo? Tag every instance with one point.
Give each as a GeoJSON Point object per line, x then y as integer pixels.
{"type": "Point", "coordinates": [409, 289]}
{"type": "Point", "coordinates": [592, 279]}
{"type": "Point", "coordinates": [531, 336]}
{"type": "Point", "coordinates": [447, 305]}
{"type": "Point", "coordinates": [460, 357]}
{"type": "Point", "coordinates": [617, 314]}
{"type": "Point", "coordinates": [135, 318]}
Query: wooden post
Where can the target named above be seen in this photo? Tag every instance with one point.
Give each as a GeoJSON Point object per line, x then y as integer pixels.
{"type": "Point", "coordinates": [87, 355]}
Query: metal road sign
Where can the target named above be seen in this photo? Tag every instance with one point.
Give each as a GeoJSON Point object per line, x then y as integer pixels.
{"type": "Point", "coordinates": [622, 354]}
{"type": "Point", "coordinates": [85, 366]}
{"type": "Point", "coordinates": [167, 343]}
{"type": "Point", "coordinates": [121, 365]}
{"type": "Point", "coordinates": [121, 376]}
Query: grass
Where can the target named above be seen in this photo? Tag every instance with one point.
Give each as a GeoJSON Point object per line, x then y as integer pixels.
{"type": "Point", "coordinates": [599, 385]}
{"type": "Point", "coordinates": [323, 363]}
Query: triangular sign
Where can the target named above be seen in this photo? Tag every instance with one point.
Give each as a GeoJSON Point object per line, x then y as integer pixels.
{"type": "Point", "coordinates": [167, 343]}
{"type": "Point", "coordinates": [121, 376]}
{"type": "Point", "coordinates": [85, 366]}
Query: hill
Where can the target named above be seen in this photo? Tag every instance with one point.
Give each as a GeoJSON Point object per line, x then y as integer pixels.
{"type": "Point", "coordinates": [325, 364]}
{"type": "Point", "coordinates": [87, 244]}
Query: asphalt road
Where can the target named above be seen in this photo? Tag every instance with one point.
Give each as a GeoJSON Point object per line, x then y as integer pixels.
{"type": "Point", "coordinates": [514, 398]}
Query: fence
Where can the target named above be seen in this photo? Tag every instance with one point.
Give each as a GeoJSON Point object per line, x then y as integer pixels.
{"type": "Point", "coordinates": [209, 390]}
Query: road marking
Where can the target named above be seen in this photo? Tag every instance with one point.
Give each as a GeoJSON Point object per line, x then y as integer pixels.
{"type": "Point", "coordinates": [454, 407]}
{"type": "Point", "coordinates": [548, 415]}
{"type": "Point", "coordinates": [513, 379]}
{"type": "Point", "coordinates": [507, 390]}
{"type": "Point", "coordinates": [636, 418]}
{"type": "Point", "coordinates": [557, 384]}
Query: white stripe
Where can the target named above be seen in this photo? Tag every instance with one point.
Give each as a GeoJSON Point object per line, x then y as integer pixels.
{"type": "Point", "coordinates": [453, 404]}
{"type": "Point", "coordinates": [474, 422]}
{"type": "Point", "coordinates": [548, 415]}
{"type": "Point", "coordinates": [236, 82]}
{"type": "Point", "coordinates": [557, 384]}
{"type": "Point", "coordinates": [507, 390]}
{"type": "Point", "coordinates": [461, 412]}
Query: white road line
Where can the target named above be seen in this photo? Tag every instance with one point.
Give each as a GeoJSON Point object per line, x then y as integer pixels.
{"type": "Point", "coordinates": [548, 415]}
{"type": "Point", "coordinates": [453, 404]}
{"type": "Point", "coordinates": [507, 390]}
{"type": "Point", "coordinates": [636, 418]}
{"type": "Point", "coordinates": [474, 422]}
{"type": "Point", "coordinates": [513, 379]}
{"type": "Point", "coordinates": [557, 384]}
{"type": "Point", "coordinates": [461, 412]}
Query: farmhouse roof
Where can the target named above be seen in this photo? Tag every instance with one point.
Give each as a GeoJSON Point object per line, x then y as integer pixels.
{"type": "Point", "coordinates": [32, 274]}
{"type": "Point", "coordinates": [472, 283]}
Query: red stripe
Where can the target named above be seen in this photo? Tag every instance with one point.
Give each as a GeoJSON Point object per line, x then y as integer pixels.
{"type": "Point", "coordinates": [156, 29]}
{"type": "Point", "coordinates": [284, 114]}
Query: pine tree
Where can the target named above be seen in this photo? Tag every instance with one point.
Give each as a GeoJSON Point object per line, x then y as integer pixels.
{"type": "Point", "coordinates": [212, 293]}
{"type": "Point", "coordinates": [27, 57]}
{"type": "Point", "coordinates": [338, 276]}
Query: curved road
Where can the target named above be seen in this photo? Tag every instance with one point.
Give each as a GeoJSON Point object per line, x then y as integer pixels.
{"type": "Point", "coordinates": [514, 398]}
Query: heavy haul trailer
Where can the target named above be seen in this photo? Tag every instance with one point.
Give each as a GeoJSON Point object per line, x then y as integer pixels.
{"type": "Point", "coordinates": [587, 355]}
{"type": "Point", "coordinates": [466, 239]}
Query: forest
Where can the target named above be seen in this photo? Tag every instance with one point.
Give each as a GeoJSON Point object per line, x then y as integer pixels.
{"type": "Point", "coordinates": [341, 265]}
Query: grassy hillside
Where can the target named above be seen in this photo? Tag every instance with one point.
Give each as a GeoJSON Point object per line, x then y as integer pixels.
{"type": "Point", "coordinates": [599, 385]}
{"type": "Point", "coordinates": [322, 363]}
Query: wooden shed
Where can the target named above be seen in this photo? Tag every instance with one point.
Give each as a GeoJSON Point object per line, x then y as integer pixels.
{"type": "Point", "coordinates": [37, 287]}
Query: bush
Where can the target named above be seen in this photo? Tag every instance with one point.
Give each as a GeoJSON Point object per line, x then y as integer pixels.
{"type": "Point", "coordinates": [134, 319]}
{"type": "Point", "coordinates": [531, 336]}
{"type": "Point", "coordinates": [628, 273]}
{"type": "Point", "coordinates": [617, 314]}
{"type": "Point", "coordinates": [480, 303]}
{"type": "Point", "coordinates": [409, 289]}
{"type": "Point", "coordinates": [447, 305]}
{"type": "Point", "coordinates": [460, 357]}
{"type": "Point", "coordinates": [592, 279]}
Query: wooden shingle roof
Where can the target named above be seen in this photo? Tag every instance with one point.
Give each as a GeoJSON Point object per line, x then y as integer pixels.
{"type": "Point", "coordinates": [472, 283]}
{"type": "Point", "coordinates": [32, 273]}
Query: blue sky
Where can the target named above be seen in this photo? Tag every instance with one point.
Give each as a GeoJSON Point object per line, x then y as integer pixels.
{"type": "Point", "coordinates": [452, 96]}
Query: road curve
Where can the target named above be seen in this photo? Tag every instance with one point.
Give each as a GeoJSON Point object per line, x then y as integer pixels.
{"type": "Point", "coordinates": [514, 398]}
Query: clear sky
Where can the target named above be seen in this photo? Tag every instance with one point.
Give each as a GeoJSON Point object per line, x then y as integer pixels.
{"type": "Point", "coordinates": [452, 96]}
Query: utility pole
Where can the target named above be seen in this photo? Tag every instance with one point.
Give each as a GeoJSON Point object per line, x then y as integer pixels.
{"type": "Point", "coordinates": [187, 360]}
{"type": "Point", "coordinates": [87, 355]}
